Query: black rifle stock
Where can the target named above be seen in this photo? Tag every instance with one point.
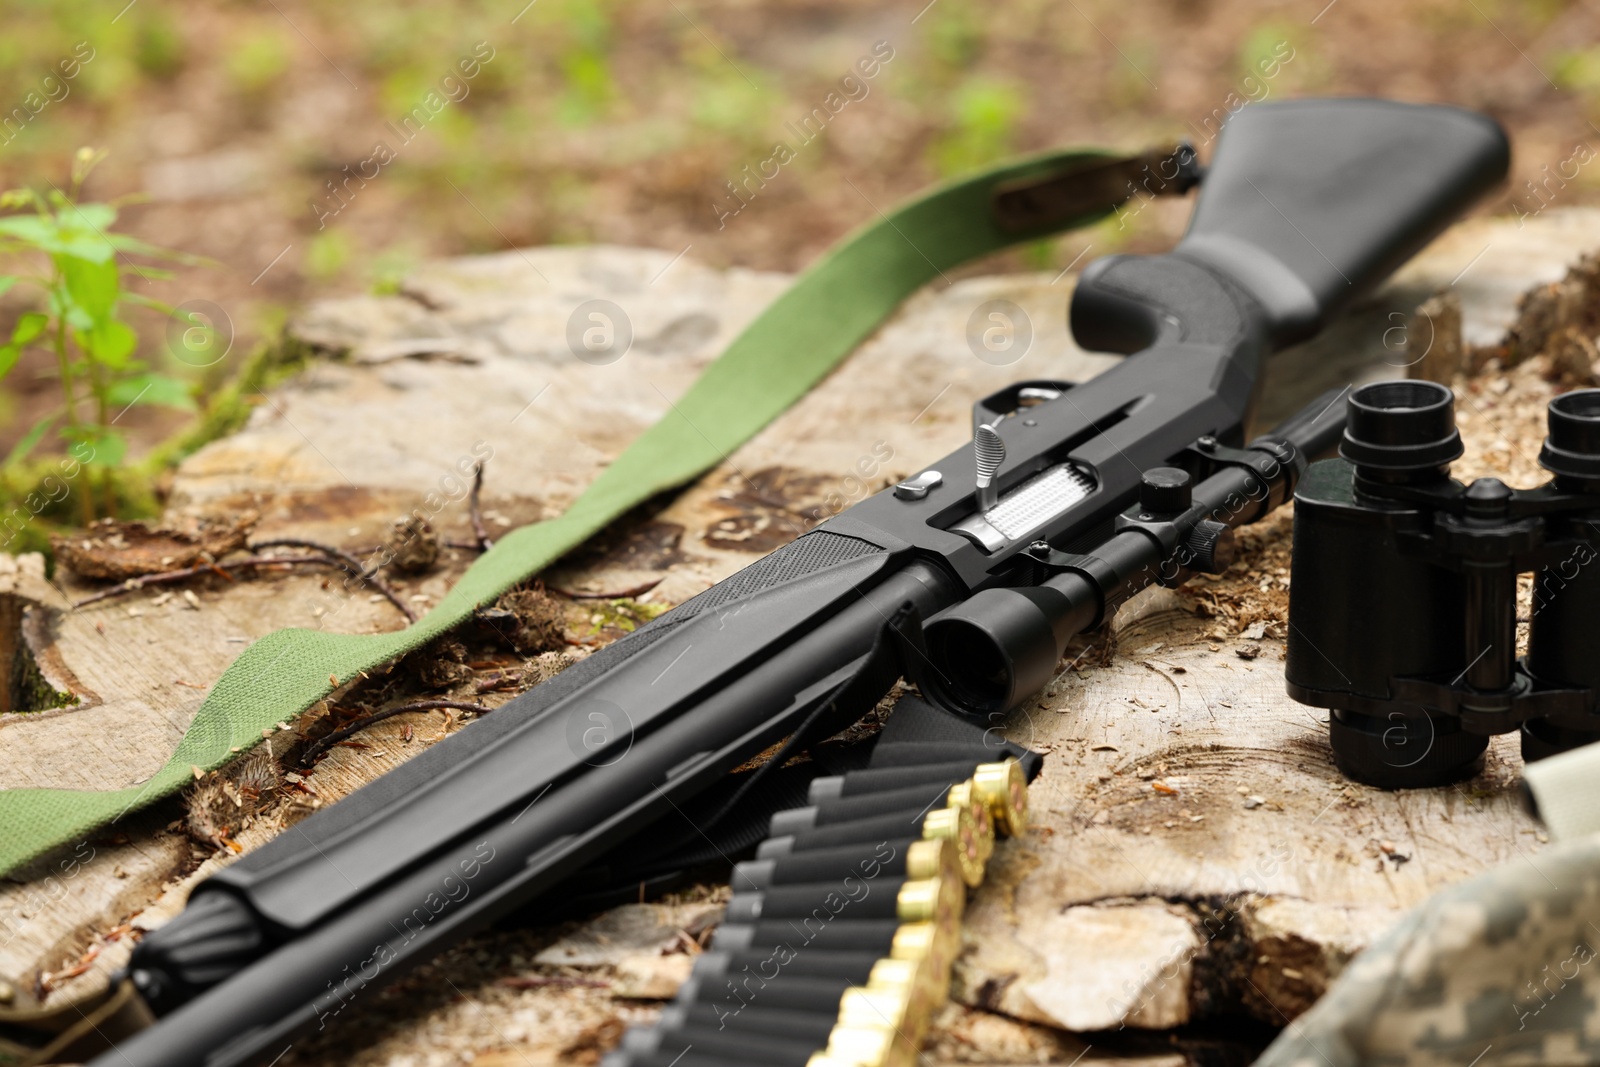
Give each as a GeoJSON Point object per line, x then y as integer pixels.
{"type": "Point", "coordinates": [1307, 205]}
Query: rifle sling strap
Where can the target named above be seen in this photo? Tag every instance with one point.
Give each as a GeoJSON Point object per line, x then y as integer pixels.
{"type": "Point", "coordinates": [831, 308]}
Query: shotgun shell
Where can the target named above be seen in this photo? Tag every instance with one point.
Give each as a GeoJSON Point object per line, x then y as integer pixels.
{"type": "Point", "coordinates": [884, 779]}
{"type": "Point", "coordinates": [762, 966]}
{"type": "Point", "coordinates": [964, 795]}
{"type": "Point", "coordinates": [958, 826]}
{"type": "Point", "coordinates": [1005, 788]}
{"type": "Point", "coordinates": [916, 982]}
{"type": "Point", "coordinates": [916, 942]}
{"type": "Point", "coordinates": [831, 811]}
{"type": "Point", "coordinates": [892, 972]}
{"type": "Point", "coordinates": [877, 1007]}
{"type": "Point", "coordinates": [933, 858]}
{"type": "Point", "coordinates": [906, 899]}
{"type": "Point", "coordinates": [931, 900]}
{"type": "Point", "coordinates": [920, 974]}
{"type": "Point", "coordinates": [870, 830]}
{"type": "Point", "coordinates": [871, 1046]}
{"type": "Point", "coordinates": [862, 859]}
{"type": "Point", "coordinates": [755, 1019]}
{"type": "Point", "coordinates": [932, 946]}
{"type": "Point", "coordinates": [806, 935]}
{"type": "Point", "coordinates": [804, 994]}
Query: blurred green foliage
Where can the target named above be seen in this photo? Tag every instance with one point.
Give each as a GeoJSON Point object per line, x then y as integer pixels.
{"type": "Point", "coordinates": [1578, 70]}
{"type": "Point", "coordinates": [327, 255]}
{"type": "Point", "coordinates": [257, 62]}
{"type": "Point", "coordinates": [160, 49]}
{"type": "Point", "coordinates": [954, 38]}
{"type": "Point", "coordinates": [984, 114]}
{"type": "Point", "coordinates": [591, 111]}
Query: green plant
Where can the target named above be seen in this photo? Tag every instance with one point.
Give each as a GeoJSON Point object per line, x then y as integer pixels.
{"type": "Point", "coordinates": [257, 63]}
{"type": "Point", "coordinates": [80, 325]}
{"type": "Point", "coordinates": [1577, 70]}
{"type": "Point", "coordinates": [327, 255]}
{"type": "Point", "coordinates": [159, 50]}
{"type": "Point", "coordinates": [955, 37]}
{"type": "Point", "coordinates": [986, 113]}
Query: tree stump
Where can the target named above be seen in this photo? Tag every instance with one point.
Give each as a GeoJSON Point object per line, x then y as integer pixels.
{"type": "Point", "coordinates": [1194, 844]}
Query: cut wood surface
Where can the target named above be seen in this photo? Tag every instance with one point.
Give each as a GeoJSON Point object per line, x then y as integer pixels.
{"type": "Point", "coordinates": [1195, 853]}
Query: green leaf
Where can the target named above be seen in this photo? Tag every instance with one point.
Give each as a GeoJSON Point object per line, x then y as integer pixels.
{"type": "Point", "coordinates": [30, 326]}
{"type": "Point", "coordinates": [30, 440]}
{"type": "Point", "coordinates": [45, 234]}
{"type": "Point", "coordinates": [111, 343]}
{"type": "Point", "coordinates": [152, 389]}
{"type": "Point", "coordinates": [96, 217]}
{"type": "Point", "coordinates": [140, 300]}
{"type": "Point", "coordinates": [7, 281]}
{"type": "Point", "coordinates": [89, 246]}
{"type": "Point", "coordinates": [78, 321]}
{"type": "Point", "coordinates": [93, 286]}
{"type": "Point", "coordinates": [98, 446]}
{"type": "Point", "coordinates": [37, 230]}
{"type": "Point", "coordinates": [133, 246]}
{"type": "Point", "coordinates": [8, 358]}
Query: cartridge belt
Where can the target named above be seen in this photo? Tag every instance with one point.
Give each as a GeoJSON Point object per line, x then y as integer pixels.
{"type": "Point", "coordinates": [836, 946]}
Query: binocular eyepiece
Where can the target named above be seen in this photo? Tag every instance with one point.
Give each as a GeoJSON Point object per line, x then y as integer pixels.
{"type": "Point", "coordinates": [1402, 612]}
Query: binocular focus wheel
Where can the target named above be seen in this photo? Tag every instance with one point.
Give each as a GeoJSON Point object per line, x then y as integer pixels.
{"type": "Point", "coordinates": [1403, 751]}
{"type": "Point", "coordinates": [1541, 738]}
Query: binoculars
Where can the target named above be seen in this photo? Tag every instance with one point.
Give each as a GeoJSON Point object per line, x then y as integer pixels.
{"type": "Point", "coordinates": [1403, 591]}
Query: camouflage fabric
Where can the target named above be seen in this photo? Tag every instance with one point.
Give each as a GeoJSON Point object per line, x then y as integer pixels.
{"type": "Point", "coordinates": [1563, 786]}
{"type": "Point", "coordinates": [1498, 970]}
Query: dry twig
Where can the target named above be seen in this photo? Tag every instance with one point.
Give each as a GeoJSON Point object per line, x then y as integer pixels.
{"type": "Point", "coordinates": [171, 577]}
{"type": "Point", "coordinates": [621, 594]}
{"type": "Point", "coordinates": [475, 512]}
{"type": "Point", "coordinates": [319, 747]}
{"type": "Point", "coordinates": [326, 555]}
{"type": "Point", "coordinates": [347, 563]}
